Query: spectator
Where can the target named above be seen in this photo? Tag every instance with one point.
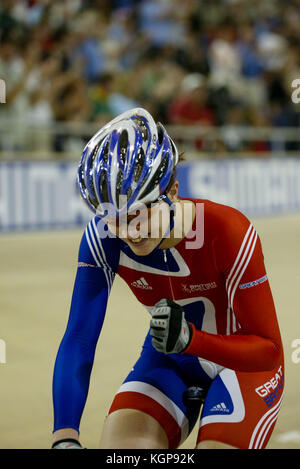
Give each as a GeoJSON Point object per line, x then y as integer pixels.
{"type": "Point", "coordinates": [107, 100]}
{"type": "Point", "coordinates": [225, 62]}
{"type": "Point", "coordinates": [231, 136]}
{"type": "Point", "coordinates": [105, 56]}
{"type": "Point", "coordinates": [258, 119]}
{"type": "Point", "coordinates": [190, 107]}
{"type": "Point", "coordinates": [15, 70]}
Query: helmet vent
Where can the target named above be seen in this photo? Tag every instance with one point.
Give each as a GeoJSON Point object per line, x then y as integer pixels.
{"type": "Point", "coordinates": [129, 192]}
{"type": "Point", "coordinates": [103, 186]}
{"type": "Point", "coordinates": [139, 165]}
{"type": "Point", "coordinates": [142, 128]}
{"type": "Point", "coordinates": [81, 178]}
{"type": "Point", "coordinates": [123, 146]}
{"type": "Point", "coordinates": [92, 195]}
{"type": "Point", "coordinates": [93, 202]}
{"type": "Point", "coordinates": [119, 184]}
{"type": "Point", "coordinates": [157, 177]}
{"type": "Point", "coordinates": [160, 134]}
{"type": "Point", "coordinates": [95, 151]}
{"type": "Point", "coordinates": [105, 151]}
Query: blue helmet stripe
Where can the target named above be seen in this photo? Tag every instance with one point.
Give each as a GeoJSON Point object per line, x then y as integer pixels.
{"type": "Point", "coordinates": [140, 170]}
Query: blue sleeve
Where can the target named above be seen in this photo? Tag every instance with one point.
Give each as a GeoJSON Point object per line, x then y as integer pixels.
{"type": "Point", "coordinates": [75, 357]}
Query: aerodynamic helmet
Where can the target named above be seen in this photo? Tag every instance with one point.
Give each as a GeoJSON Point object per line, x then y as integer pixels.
{"type": "Point", "coordinates": [132, 157]}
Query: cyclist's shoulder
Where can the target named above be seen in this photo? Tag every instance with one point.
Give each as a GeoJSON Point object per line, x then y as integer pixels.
{"type": "Point", "coordinates": [100, 245]}
{"type": "Point", "coordinates": [220, 218]}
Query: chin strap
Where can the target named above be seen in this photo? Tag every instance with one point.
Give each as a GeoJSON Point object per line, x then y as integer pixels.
{"type": "Point", "coordinates": [171, 225]}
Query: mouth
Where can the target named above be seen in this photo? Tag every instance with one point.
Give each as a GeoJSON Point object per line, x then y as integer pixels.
{"type": "Point", "coordinates": [138, 241]}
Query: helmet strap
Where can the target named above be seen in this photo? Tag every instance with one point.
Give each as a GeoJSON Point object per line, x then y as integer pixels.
{"type": "Point", "coordinates": [171, 225]}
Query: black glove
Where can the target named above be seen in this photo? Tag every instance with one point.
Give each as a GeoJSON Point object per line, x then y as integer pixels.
{"type": "Point", "coordinates": [67, 443]}
{"type": "Point", "coordinates": [170, 331]}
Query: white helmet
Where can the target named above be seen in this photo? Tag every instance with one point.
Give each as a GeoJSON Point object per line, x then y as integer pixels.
{"type": "Point", "coordinates": [131, 156]}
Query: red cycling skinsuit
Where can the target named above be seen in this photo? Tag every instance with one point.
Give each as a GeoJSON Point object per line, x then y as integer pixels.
{"type": "Point", "coordinates": [223, 286]}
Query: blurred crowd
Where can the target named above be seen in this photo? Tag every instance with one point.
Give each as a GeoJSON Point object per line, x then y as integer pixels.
{"type": "Point", "coordinates": [228, 64]}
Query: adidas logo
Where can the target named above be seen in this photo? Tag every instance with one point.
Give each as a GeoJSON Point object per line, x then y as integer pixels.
{"type": "Point", "coordinates": [220, 408]}
{"type": "Point", "coordinates": [142, 283]}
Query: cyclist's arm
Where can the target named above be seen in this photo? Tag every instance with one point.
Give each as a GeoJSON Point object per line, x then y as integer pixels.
{"type": "Point", "coordinates": [75, 356]}
{"type": "Point", "coordinates": [252, 340]}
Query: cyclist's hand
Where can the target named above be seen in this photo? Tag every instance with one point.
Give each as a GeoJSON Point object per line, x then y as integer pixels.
{"type": "Point", "coordinates": [170, 331]}
{"type": "Point", "coordinates": [67, 443]}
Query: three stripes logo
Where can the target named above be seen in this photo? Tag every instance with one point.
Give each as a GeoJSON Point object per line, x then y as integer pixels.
{"type": "Point", "coordinates": [241, 262]}
{"type": "Point", "coordinates": [240, 265]}
{"type": "Point", "coordinates": [264, 426]}
{"type": "Point", "coordinates": [220, 408]}
{"type": "Point", "coordinates": [141, 283]}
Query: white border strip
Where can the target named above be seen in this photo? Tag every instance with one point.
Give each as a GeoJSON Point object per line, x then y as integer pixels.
{"type": "Point", "coordinates": [98, 262]}
{"type": "Point", "coordinates": [263, 426]}
{"type": "Point", "coordinates": [231, 383]}
{"type": "Point", "coordinates": [162, 399]}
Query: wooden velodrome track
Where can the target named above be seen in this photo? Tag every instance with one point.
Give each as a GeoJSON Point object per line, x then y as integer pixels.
{"type": "Point", "coordinates": [36, 281]}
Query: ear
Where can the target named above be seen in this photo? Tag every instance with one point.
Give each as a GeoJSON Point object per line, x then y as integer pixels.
{"type": "Point", "coordinates": [173, 192]}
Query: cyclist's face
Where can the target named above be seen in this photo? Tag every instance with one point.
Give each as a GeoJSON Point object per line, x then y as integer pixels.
{"type": "Point", "coordinates": [143, 230]}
